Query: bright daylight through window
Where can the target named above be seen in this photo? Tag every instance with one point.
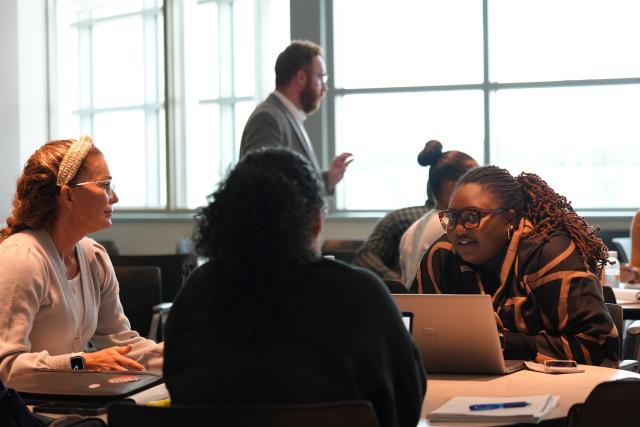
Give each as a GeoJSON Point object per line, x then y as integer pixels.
{"type": "Point", "coordinates": [542, 86]}
{"type": "Point", "coordinates": [553, 89]}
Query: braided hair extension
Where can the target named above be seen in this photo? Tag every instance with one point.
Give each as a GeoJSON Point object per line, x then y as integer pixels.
{"type": "Point", "coordinates": [550, 211]}
{"type": "Point", "coordinates": [530, 196]}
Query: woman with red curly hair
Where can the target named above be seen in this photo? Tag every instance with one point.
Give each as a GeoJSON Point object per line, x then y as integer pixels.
{"type": "Point", "coordinates": [58, 290]}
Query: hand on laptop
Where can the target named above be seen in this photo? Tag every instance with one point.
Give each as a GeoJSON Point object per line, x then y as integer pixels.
{"type": "Point", "coordinates": [112, 359]}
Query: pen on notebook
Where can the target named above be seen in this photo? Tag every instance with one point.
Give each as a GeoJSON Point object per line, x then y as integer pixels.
{"type": "Point", "coordinates": [504, 405]}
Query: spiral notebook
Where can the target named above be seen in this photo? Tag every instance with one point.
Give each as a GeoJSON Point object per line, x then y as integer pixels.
{"type": "Point", "coordinates": [460, 408]}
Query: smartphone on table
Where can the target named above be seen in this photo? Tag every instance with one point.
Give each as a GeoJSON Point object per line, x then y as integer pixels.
{"type": "Point", "coordinates": [561, 366]}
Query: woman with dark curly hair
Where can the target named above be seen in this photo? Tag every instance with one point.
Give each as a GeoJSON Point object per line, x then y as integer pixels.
{"type": "Point", "coordinates": [267, 321]}
{"type": "Point", "coordinates": [522, 243]}
{"type": "Point", "coordinates": [58, 290]}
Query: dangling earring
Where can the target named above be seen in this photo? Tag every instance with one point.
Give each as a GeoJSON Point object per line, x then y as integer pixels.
{"type": "Point", "coordinates": [509, 232]}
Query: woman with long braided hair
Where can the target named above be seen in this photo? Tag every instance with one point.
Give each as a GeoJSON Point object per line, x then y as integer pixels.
{"type": "Point", "coordinates": [519, 241]}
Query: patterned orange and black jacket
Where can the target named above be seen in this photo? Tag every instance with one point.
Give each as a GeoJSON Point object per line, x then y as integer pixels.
{"type": "Point", "coordinates": [544, 292]}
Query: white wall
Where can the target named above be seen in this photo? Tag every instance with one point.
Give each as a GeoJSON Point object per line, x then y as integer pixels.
{"type": "Point", "coordinates": [23, 91]}
{"type": "Point", "coordinates": [9, 117]}
{"type": "Point", "coordinates": [161, 236]}
{"type": "Point", "coordinates": [137, 237]}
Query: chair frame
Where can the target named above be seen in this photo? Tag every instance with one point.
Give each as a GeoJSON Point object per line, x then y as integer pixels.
{"type": "Point", "coordinates": [353, 413]}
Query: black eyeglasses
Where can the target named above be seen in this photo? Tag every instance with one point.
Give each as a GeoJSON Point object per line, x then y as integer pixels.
{"type": "Point", "coordinates": [469, 218]}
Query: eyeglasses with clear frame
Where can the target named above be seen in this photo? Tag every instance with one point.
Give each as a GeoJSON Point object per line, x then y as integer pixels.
{"type": "Point", "coordinates": [324, 78]}
{"type": "Point", "coordinates": [107, 185]}
{"type": "Point", "coordinates": [469, 218]}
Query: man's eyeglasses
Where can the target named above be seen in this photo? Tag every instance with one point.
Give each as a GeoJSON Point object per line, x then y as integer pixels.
{"type": "Point", "coordinates": [107, 185]}
{"type": "Point", "coordinates": [324, 78]}
{"type": "Point", "coordinates": [469, 218]}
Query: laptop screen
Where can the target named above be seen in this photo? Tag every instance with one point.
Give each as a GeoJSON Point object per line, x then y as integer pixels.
{"type": "Point", "coordinates": [407, 318]}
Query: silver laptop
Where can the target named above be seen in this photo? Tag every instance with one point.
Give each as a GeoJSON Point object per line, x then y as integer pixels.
{"type": "Point", "coordinates": [456, 333]}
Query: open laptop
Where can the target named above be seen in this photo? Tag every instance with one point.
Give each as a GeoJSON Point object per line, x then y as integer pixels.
{"type": "Point", "coordinates": [456, 333]}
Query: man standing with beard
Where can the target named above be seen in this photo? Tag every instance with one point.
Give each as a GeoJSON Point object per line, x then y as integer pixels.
{"type": "Point", "coordinates": [301, 78]}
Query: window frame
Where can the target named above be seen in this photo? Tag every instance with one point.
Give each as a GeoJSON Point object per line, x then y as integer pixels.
{"type": "Point", "coordinates": [310, 19]}
{"type": "Point", "coordinates": [328, 131]}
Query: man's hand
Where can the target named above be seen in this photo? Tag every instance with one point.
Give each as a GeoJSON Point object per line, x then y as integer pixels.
{"type": "Point", "coordinates": [337, 168]}
{"type": "Point", "coordinates": [111, 359]}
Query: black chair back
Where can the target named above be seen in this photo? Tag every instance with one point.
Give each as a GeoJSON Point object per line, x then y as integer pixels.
{"type": "Point", "coordinates": [396, 287]}
{"type": "Point", "coordinates": [611, 404]}
{"type": "Point", "coordinates": [357, 413]}
{"type": "Point", "coordinates": [344, 250]}
{"type": "Point", "coordinates": [140, 291]}
{"type": "Point", "coordinates": [174, 268]}
{"type": "Point", "coordinates": [608, 295]}
{"type": "Point", "coordinates": [110, 246]}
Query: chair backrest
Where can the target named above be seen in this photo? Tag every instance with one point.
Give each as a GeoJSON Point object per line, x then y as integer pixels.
{"type": "Point", "coordinates": [608, 295]}
{"type": "Point", "coordinates": [396, 287]}
{"type": "Point", "coordinates": [110, 246]}
{"type": "Point", "coordinates": [344, 250]}
{"type": "Point", "coordinates": [357, 413]}
{"type": "Point", "coordinates": [611, 404]}
{"type": "Point", "coordinates": [140, 291]}
{"type": "Point", "coordinates": [617, 315]}
{"type": "Point", "coordinates": [174, 268]}
{"type": "Point", "coordinates": [623, 246]}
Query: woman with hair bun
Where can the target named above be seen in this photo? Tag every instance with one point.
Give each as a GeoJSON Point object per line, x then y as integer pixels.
{"type": "Point", "coordinates": [516, 239]}
{"type": "Point", "coordinates": [445, 168]}
{"type": "Point", "coordinates": [58, 290]}
{"type": "Point", "coordinates": [381, 251]}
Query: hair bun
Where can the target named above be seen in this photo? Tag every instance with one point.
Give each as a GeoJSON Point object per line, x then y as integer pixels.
{"type": "Point", "coordinates": [430, 154]}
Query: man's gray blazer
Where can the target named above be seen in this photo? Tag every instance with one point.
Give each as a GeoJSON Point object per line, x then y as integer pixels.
{"type": "Point", "coordinates": [272, 125]}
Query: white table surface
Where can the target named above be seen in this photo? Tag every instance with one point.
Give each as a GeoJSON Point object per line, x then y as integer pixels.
{"type": "Point", "coordinates": [572, 388]}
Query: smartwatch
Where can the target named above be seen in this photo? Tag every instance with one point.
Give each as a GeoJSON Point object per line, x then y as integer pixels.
{"type": "Point", "coordinates": [76, 361]}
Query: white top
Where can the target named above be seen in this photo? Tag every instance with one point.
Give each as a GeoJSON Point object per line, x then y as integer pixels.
{"type": "Point", "coordinates": [295, 112]}
{"type": "Point", "coordinates": [415, 242]}
{"type": "Point", "coordinates": [41, 320]}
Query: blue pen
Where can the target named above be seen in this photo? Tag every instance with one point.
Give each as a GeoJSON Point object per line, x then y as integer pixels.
{"type": "Point", "coordinates": [487, 406]}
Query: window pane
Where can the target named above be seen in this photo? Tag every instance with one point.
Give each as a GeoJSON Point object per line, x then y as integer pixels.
{"type": "Point", "coordinates": [538, 40]}
{"type": "Point", "coordinates": [386, 132]}
{"type": "Point", "coordinates": [118, 62]}
{"type": "Point", "coordinates": [244, 47]}
{"type": "Point", "coordinates": [107, 8]}
{"type": "Point", "coordinates": [125, 153]}
{"type": "Point", "coordinates": [407, 43]}
{"type": "Point", "coordinates": [203, 156]}
{"type": "Point", "coordinates": [207, 52]}
{"type": "Point", "coordinates": [585, 141]}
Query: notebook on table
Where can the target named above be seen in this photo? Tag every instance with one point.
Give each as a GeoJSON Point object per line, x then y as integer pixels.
{"type": "Point", "coordinates": [456, 334]}
{"type": "Point", "coordinates": [66, 384]}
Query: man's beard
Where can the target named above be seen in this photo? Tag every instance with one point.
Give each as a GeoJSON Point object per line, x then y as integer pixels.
{"type": "Point", "coordinates": [309, 100]}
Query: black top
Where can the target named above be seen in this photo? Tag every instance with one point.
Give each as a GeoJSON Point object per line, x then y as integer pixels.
{"type": "Point", "coordinates": [345, 340]}
{"type": "Point", "coordinates": [548, 303]}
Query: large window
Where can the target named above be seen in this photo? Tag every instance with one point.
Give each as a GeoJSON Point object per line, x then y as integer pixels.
{"type": "Point", "coordinates": [551, 87]}
{"type": "Point", "coordinates": [166, 86]}
{"type": "Point", "coordinates": [108, 64]}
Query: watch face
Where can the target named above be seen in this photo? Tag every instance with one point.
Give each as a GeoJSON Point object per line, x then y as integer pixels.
{"type": "Point", "coordinates": [77, 362]}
